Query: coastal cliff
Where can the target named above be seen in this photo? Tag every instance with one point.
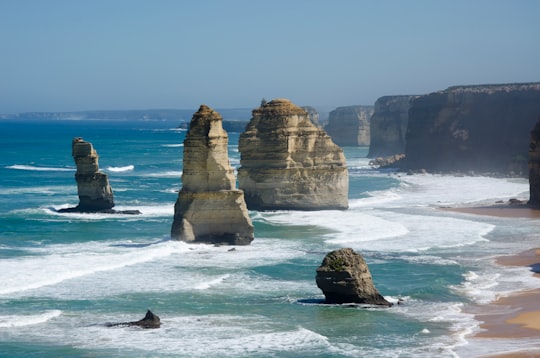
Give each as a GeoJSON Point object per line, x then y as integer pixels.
{"type": "Point", "coordinates": [209, 208]}
{"type": "Point", "coordinates": [534, 166]}
{"type": "Point", "coordinates": [289, 163]}
{"type": "Point", "coordinates": [473, 129]}
{"type": "Point", "coordinates": [349, 126]}
{"type": "Point", "coordinates": [388, 126]}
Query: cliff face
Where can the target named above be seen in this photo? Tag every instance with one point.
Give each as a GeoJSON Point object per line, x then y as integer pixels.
{"type": "Point", "coordinates": [313, 115]}
{"type": "Point", "coordinates": [288, 163]}
{"type": "Point", "coordinates": [209, 208]}
{"type": "Point", "coordinates": [483, 129]}
{"type": "Point", "coordinates": [349, 126]}
{"type": "Point", "coordinates": [95, 193]}
{"type": "Point", "coordinates": [389, 125]}
{"type": "Point", "coordinates": [534, 166]}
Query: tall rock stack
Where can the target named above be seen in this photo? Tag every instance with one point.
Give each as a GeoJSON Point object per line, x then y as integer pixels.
{"type": "Point", "coordinates": [534, 166]}
{"type": "Point", "coordinates": [209, 208]}
{"type": "Point", "coordinates": [288, 163]}
{"type": "Point", "coordinates": [349, 126]}
{"type": "Point", "coordinates": [95, 193]}
{"type": "Point", "coordinates": [389, 126]}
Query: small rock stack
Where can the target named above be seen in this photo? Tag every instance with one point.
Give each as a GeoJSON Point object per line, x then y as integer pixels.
{"type": "Point", "coordinates": [95, 193]}
{"type": "Point", "coordinates": [344, 277]}
{"type": "Point", "coordinates": [209, 208]}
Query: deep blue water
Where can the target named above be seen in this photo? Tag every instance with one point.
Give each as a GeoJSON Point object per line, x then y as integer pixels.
{"type": "Point", "coordinates": [64, 275]}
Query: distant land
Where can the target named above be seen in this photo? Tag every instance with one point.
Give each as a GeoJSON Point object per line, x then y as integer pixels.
{"type": "Point", "coordinates": [172, 115]}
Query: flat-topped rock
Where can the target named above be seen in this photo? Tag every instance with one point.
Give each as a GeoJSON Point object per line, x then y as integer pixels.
{"type": "Point", "coordinates": [350, 125]}
{"type": "Point", "coordinates": [289, 163]}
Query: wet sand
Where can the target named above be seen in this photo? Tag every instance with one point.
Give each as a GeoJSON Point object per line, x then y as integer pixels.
{"type": "Point", "coordinates": [516, 316]}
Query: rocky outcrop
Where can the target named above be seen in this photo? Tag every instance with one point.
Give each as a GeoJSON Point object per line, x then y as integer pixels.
{"type": "Point", "coordinates": [313, 115]}
{"type": "Point", "coordinates": [392, 161]}
{"type": "Point", "coordinates": [344, 277]}
{"type": "Point", "coordinates": [480, 129]}
{"type": "Point", "coordinates": [349, 126]}
{"type": "Point", "coordinates": [389, 126]}
{"type": "Point", "coordinates": [150, 320]}
{"type": "Point", "coordinates": [95, 193]}
{"type": "Point", "coordinates": [209, 208]}
{"type": "Point", "coordinates": [534, 166]}
{"type": "Point", "coordinates": [288, 163]}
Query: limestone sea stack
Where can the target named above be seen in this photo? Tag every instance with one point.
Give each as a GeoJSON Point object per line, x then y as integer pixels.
{"type": "Point", "coordinates": [344, 277]}
{"type": "Point", "coordinates": [95, 193]}
{"type": "Point", "coordinates": [349, 125]}
{"type": "Point", "coordinates": [209, 208]}
{"type": "Point", "coordinates": [287, 163]}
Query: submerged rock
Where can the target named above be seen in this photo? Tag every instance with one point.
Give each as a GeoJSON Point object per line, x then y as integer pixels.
{"type": "Point", "coordinates": [150, 320]}
{"type": "Point", "coordinates": [289, 163]}
{"type": "Point", "coordinates": [344, 277]}
{"type": "Point", "coordinates": [209, 208]}
{"type": "Point", "coordinates": [95, 193]}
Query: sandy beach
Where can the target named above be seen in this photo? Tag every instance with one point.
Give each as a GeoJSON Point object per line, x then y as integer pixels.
{"type": "Point", "coordinates": [516, 316]}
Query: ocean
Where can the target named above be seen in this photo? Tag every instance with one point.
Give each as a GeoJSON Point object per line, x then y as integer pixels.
{"type": "Point", "coordinates": [63, 276]}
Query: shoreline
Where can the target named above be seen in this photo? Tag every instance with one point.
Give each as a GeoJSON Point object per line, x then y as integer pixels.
{"type": "Point", "coordinates": [516, 316]}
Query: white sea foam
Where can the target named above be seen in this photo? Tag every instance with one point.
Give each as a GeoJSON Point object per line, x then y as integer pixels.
{"type": "Point", "coordinates": [177, 145]}
{"type": "Point", "coordinates": [126, 168]}
{"type": "Point", "coordinates": [12, 321]}
{"type": "Point", "coordinates": [167, 174]}
{"type": "Point", "coordinates": [40, 169]}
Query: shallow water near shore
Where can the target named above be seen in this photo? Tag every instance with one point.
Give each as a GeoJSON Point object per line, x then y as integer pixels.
{"type": "Point", "coordinates": [65, 275]}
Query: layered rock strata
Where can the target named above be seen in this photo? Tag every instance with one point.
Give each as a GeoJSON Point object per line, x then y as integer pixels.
{"type": "Point", "coordinates": [288, 163]}
{"type": "Point", "coordinates": [95, 193]}
{"type": "Point", "coordinates": [389, 126]}
{"type": "Point", "coordinates": [344, 277]}
{"type": "Point", "coordinates": [349, 126]}
{"type": "Point", "coordinates": [209, 208]}
{"type": "Point", "coordinates": [473, 129]}
{"type": "Point", "coordinates": [534, 166]}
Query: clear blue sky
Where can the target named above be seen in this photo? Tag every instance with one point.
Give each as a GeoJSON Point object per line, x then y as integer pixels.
{"type": "Point", "coordinates": [66, 55]}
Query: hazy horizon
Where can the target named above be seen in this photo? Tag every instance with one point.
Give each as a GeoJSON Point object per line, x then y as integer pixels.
{"type": "Point", "coordinates": [67, 56]}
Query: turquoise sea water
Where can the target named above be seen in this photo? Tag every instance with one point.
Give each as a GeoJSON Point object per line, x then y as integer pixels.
{"type": "Point", "coordinates": [63, 276]}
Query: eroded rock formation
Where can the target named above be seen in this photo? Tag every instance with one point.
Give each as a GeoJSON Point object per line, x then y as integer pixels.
{"type": "Point", "coordinates": [313, 115]}
{"type": "Point", "coordinates": [344, 277]}
{"type": "Point", "coordinates": [150, 320]}
{"type": "Point", "coordinates": [95, 193]}
{"type": "Point", "coordinates": [534, 166]}
{"type": "Point", "coordinates": [480, 129]}
{"type": "Point", "coordinates": [349, 126]}
{"type": "Point", "coordinates": [389, 126]}
{"type": "Point", "coordinates": [289, 163]}
{"type": "Point", "coordinates": [209, 208]}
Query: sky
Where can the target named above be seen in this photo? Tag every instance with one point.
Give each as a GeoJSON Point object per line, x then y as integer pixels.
{"type": "Point", "coordinates": [71, 55]}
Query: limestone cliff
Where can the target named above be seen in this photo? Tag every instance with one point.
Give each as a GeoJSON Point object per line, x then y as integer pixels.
{"type": "Point", "coordinates": [481, 129]}
{"type": "Point", "coordinates": [389, 125]}
{"type": "Point", "coordinates": [209, 208]}
{"type": "Point", "coordinates": [344, 277]}
{"type": "Point", "coordinates": [289, 163]}
{"type": "Point", "coordinates": [95, 193]}
{"type": "Point", "coordinates": [313, 115]}
{"type": "Point", "coordinates": [349, 126]}
{"type": "Point", "coordinates": [534, 166]}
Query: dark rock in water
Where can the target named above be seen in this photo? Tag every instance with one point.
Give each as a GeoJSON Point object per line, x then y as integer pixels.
{"type": "Point", "coordinates": [95, 193]}
{"type": "Point", "coordinates": [344, 277]}
{"type": "Point", "coordinates": [150, 320]}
